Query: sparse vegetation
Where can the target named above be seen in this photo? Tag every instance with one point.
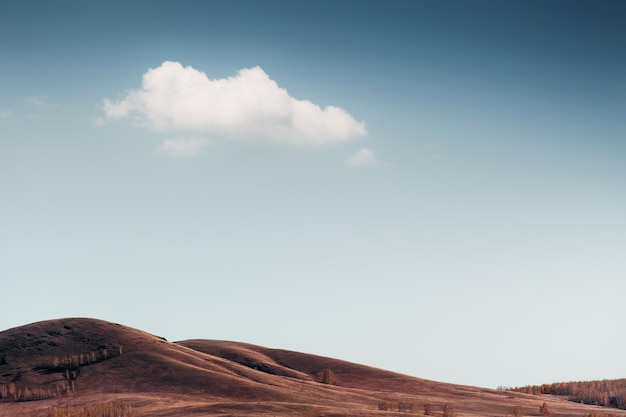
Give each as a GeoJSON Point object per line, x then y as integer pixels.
{"type": "Point", "coordinates": [448, 410]}
{"type": "Point", "coordinates": [606, 393]}
{"type": "Point", "coordinates": [518, 411]}
{"type": "Point", "coordinates": [545, 409]}
{"type": "Point", "coordinates": [401, 406]}
{"type": "Point", "coordinates": [25, 393]}
{"type": "Point", "coordinates": [61, 364]}
{"type": "Point", "coordinates": [328, 377]}
{"type": "Point", "coordinates": [601, 415]}
{"type": "Point", "coordinates": [67, 366]}
{"type": "Point", "coordinates": [93, 410]}
{"type": "Point", "coordinates": [406, 407]}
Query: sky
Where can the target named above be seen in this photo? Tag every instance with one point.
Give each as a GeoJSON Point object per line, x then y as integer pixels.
{"type": "Point", "coordinates": [436, 188]}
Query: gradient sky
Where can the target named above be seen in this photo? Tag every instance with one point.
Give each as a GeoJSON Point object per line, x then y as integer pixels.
{"type": "Point", "coordinates": [475, 234]}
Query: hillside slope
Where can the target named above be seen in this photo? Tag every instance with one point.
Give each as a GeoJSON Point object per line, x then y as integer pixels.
{"type": "Point", "coordinates": [85, 361]}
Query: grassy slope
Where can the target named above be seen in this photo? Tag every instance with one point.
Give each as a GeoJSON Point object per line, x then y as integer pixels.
{"type": "Point", "coordinates": [209, 378]}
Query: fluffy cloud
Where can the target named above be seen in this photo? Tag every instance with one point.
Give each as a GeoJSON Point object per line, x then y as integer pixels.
{"type": "Point", "coordinates": [363, 158]}
{"type": "Point", "coordinates": [249, 107]}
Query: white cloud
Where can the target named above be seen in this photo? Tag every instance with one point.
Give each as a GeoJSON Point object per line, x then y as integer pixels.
{"type": "Point", "coordinates": [249, 107]}
{"type": "Point", "coordinates": [183, 147]}
{"type": "Point", "coordinates": [363, 158]}
{"type": "Point", "coordinates": [5, 113]}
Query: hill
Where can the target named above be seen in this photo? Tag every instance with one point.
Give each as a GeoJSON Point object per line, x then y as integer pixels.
{"type": "Point", "coordinates": [95, 364]}
{"type": "Point", "coordinates": [607, 392]}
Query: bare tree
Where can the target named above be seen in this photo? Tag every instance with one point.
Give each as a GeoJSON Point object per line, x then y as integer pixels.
{"type": "Point", "coordinates": [448, 410]}
{"type": "Point", "coordinates": [545, 409]}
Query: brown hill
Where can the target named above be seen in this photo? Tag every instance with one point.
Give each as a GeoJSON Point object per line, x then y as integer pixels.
{"type": "Point", "coordinates": [82, 362]}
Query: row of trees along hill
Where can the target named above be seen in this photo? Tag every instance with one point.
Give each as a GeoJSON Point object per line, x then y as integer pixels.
{"type": "Point", "coordinates": [606, 393]}
{"type": "Point", "coordinates": [93, 410]}
{"type": "Point", "coordinates": [67, 366]}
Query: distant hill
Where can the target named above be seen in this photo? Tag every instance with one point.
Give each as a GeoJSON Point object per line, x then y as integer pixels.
{"type": "Point", "coordinates": [73, 367]}
{"type": "Point", "coordinates": [606, 393]}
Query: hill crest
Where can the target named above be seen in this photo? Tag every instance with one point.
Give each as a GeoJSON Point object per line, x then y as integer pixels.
{"type": "Point", "coordinates": [78, 361]}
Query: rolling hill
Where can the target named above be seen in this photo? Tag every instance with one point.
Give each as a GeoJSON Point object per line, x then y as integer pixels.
{"type": "Point", "coordinates": [82, 362]}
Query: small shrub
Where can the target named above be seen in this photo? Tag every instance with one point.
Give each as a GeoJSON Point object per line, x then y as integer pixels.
{"type": "Point", "coordinates": [519, 411]}
{"type": "Point", "coordinates": [405, 407]}
{"type": "Point", "coordinates": [448, 410]}
{"type": "Point", "coordinates": [328, 377]}
{"type": "Point", "coordinates": [545, 409]}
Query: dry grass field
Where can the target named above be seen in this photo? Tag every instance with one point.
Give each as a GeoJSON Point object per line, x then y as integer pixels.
{"type": "Point", "coordinates": [93, 368]}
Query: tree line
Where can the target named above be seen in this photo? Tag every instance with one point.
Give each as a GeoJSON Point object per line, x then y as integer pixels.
{"type": "Point", "coordinates": [26, 393]}
{"type": "Point", "coordinates": [606, 393]}
{"type": "Point", "coordinates": [67, 366]}
{"type": "Point", "coordinates": [93, 410]}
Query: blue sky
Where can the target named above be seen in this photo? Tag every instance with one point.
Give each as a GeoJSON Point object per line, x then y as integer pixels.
{"type": "Point", "coordinates": [460, 218]}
